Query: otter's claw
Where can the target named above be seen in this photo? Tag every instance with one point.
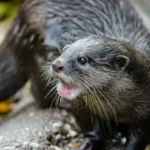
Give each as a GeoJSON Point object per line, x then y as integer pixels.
{"type": "Point", "coordinates": [87, 145]}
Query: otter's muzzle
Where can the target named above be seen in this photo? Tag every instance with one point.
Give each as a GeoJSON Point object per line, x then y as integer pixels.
{"type": "Point", "coordinates": [57, 66]}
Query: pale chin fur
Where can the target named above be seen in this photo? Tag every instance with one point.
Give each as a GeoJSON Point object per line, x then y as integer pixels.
{"type": "Point", "coordinates": [73, 96]}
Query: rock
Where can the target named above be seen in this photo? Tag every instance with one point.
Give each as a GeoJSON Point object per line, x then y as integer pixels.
{"type": "Point", "coordinates": [55, 147]}
{"type": "Point", "coordinates": [73, 133]}
{"type": "Point", "coordinates": [123, 140]}
{"type": "Point", "coordinates": [57, 125]}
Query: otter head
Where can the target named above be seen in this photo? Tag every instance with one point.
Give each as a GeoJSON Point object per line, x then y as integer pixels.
{"type": "Point", "coordinates": [89, 66]}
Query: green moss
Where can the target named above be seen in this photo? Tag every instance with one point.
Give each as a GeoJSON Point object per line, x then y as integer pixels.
{"type": "Point", "coordinates": [8, 9]}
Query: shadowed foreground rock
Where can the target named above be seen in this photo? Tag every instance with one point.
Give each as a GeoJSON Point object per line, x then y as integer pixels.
{"type": "Point", "coordinates": [27, 127]}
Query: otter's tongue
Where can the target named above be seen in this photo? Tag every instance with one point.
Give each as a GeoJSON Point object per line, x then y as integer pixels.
{"type": "Point", "coordinates": [66, 90]}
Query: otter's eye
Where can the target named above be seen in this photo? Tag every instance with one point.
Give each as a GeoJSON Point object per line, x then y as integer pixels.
{"type": "Point", "coordinates": [82, 60]}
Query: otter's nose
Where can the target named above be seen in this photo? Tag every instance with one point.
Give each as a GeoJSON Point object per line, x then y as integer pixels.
{"type": "Point", "coordinates": [57, 66]}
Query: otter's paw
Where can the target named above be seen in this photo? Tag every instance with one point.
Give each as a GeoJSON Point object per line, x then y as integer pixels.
{"type": "Point", "coordinates": [90, 144]}
{"type": "Point", "coordinates": [87, 145]}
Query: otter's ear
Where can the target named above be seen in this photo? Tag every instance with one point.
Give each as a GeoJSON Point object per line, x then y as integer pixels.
{"type": "Point", "coordinates": [120, 62]}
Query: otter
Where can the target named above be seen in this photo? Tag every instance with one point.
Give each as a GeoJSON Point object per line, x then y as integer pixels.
{"type": "Point", "coordinates": [41, 27]}
{"type": "Point", "coordinates": [109, 72]}
{"type": "Point", "coordinates": [112, 77]}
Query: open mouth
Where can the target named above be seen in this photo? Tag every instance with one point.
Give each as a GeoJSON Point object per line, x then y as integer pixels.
{"type": "Point", "coordinates": [67, 90]}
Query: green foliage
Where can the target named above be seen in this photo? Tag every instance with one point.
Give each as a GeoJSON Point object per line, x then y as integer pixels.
{"type": "Point", "coordinates": [8, 9]}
